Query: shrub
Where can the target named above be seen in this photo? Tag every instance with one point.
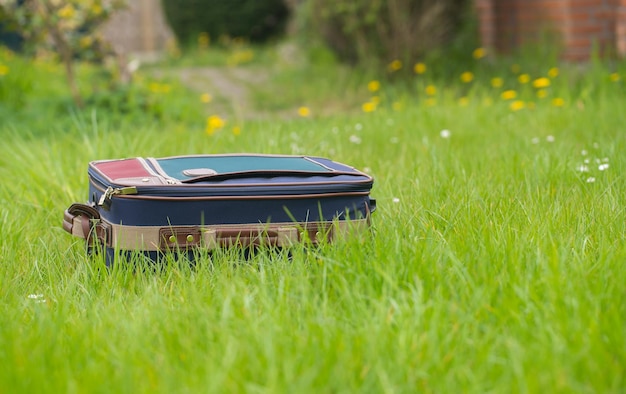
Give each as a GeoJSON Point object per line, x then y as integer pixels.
{"type": "Point", "coordinates": [70, 28]}
{"type": "Point", "coordinates": [256, 20]}
{"type": "Point", "coordinates": [376, 32]}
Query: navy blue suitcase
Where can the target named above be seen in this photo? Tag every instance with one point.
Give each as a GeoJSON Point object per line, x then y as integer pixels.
{"type": "Point", "coordinates": [188, 203]}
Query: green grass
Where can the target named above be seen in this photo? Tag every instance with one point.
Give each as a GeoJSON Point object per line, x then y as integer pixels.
{"type": "Point", "coordinates": [494, 264]}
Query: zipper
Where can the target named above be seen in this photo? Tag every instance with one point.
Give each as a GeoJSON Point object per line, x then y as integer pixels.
{"type": "Point", "coordinates": [105, 198]}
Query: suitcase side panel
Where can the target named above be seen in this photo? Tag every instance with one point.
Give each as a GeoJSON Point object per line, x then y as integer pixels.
{"type": "Point", "coordinates": [163, 212]}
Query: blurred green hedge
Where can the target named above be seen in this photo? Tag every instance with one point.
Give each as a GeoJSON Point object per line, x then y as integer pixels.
{"type": "Point", "coordinates": [376, 32]}
{"type": "Point", "coordinates": [254, 20]}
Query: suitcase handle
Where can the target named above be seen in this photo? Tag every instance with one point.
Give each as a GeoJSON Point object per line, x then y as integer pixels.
{"type": "Point", "coordinates": [266, 174]}
{"type": "Point", "coordinates": [83, 221]}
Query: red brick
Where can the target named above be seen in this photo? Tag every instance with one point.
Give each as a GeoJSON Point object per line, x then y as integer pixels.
{"type": "Point", "coordinates": [508, 23]}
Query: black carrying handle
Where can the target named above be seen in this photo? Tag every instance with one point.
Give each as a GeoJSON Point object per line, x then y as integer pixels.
{"type": "Point", "coordinates": [265, 174]}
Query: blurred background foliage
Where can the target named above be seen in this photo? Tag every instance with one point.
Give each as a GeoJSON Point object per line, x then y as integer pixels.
{"type": "Point", "coordinates": [297, 53]}
{"type": "Point", "coordinates": [252, 20]}
{"type": "Point", "coordinates": [361, 33]}
{"type": "Point", "coordinates": [366, 34]}
{"type": "Point", "coordinates": [376, 32]}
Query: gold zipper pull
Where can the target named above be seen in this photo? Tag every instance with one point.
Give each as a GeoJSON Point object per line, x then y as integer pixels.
{"type": "Point", "coordinates": [105, 198]}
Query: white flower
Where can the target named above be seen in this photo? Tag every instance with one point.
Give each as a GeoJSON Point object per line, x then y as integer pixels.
{"type": "Point", "coordinates": [583, 168]}
{"type": "Point", "coordinates": [591, 179]}
{"type": "Point", "coordinates": [586, 161]}
{"type": "Point", "coordinates": [367, 170]}
{"type": "Point", "coordinates": [133, 65]}
{"type": "Point", "coordinates": [603, 167]}
{"type": "Point", "coordinates": [295, 149]}
{"type": "Point", "coordinates": [583, 152]}
{"type": "Point", "coordinates": [535, 140]}
{"type": "Point", "coordinates": [605, 160]}
{"type": "Point", "coordinates": [358, 127]}
{"type": "Point", "coordinates": [550, 138]}
{"type": "Point", "coordinates": [445, 133]}
{"type": "Point", "coordinates": [38, 298]}
{"type": "Point", "coordinates": [355, 139]}
{"type": "Point", "coordinates": [396, 200]}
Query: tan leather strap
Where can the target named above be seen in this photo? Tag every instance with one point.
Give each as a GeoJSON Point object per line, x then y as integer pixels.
{"type": "Point", "coordinates": [159, 238]}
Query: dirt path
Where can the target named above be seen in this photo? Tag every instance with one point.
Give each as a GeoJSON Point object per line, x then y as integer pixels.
{"type": "Point", "coordinates": [230, 87]}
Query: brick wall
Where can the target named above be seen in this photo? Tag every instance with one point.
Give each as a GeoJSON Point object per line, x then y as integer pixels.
{"type": "Point", "coordinates": [578, 26]}
{"type": "Point", "coordinates": [620, 28]}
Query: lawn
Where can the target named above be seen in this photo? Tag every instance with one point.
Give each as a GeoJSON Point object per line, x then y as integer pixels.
{"type": "Point", "coordinates": [495, 261]}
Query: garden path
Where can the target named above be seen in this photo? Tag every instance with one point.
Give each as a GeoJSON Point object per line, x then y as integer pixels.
{"type": "Point", "coordinates": [230, 87]}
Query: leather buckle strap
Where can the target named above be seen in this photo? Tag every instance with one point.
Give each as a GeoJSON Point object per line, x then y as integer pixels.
{"type": "Point", "coordinates": [83, 221]}
{"type": "Point", "coordinates": [77, 219]}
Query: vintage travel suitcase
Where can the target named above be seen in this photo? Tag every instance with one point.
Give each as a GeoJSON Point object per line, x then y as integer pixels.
{"type": "Point", "coordinates": [188, 203]}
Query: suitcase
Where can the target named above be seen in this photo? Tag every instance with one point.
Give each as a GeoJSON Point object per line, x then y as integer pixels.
{"type": "Point", "coordinates": [183, 204]}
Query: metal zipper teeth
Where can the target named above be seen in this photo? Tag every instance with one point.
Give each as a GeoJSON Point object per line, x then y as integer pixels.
{"type": "Point", "coordinates": [251, 192]}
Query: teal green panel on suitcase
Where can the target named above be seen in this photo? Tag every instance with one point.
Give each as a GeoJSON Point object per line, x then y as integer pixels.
{"type": "Point", "coordinates": [175, 166]}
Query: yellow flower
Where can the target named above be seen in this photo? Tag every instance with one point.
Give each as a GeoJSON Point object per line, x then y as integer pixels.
{"type": "Point", "coordinates": [558, 102]}
{"type": "Point", "coordinates": [463, 101]}
{"type": "Point", "coordinates": [431, 102]}
{"type": "Point", "coordinates": [206, 98]}
{"type": "Point", "coordinates": [614, 77]}
{"type": "Point", "coordinates": [373, 86]}
{"type": "Point", "coordinates": [497, 82]}
{"type": "Point", "coordinates": [395, 65]}
{"type": "Point", "coordinates": [66, 12]}
{"type": "Point", "coordinates": [96, 9]}
{"type": "Point", "coordinates": [368, 107]}
{"type": "Point", "coordinates": [203, 40]}
{"type": "Point", "coordinates": [304, 112]}
{"type": "Point", "coordinates": [553, 72]}
{"type": "Point", "coordinates": [240, 56]}
{"type": "Point", "coordinates": [419, 68]}
{"type": "Point", "coordinates": [524, 78]}
{"type": "Point", "coordinates": [467, 77]}
{"type": "Point", "coordinates": [85, 41]}
{"type": "Point", "coordinates": [509, 94]}
{"type": "Point", "coordinates": [478, 53]}
{"type": "Point", "coordinates": [156, 87]}
{"type": "Point", "coordinates": [517, 105]}
{"type": "Point", "coordinates": [541, 83]}
{"type": "Point", "coordinates": [4, 70]}
{"type": "Point", "coordinates": [214, 123]}
{"type": "Point", "coordinates": [431, 90]}
{"type": "Point", "coordinates": [236, 130]}
{"type": "Point", "coordinates": [541, 93]}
